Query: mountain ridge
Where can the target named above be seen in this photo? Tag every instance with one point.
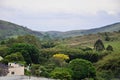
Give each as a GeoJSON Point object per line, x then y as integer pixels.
{"type": "Point", "coordinates": [72, 33]}
{"type": "Point", "coordinates": [8, 29]}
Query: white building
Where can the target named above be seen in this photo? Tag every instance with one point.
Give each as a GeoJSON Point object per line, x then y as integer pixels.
{"type": "Point", "coordinates": [15, 69]}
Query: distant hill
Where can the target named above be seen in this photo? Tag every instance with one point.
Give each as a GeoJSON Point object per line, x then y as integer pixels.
{"type": "Point", "coordinates": [73, 33]}
{"type": "Point", "coordinates": [107, 28]}
{"type": "Point", "coordinates": [8, 29]}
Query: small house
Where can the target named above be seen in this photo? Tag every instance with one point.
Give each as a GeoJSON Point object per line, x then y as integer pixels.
{"type": "Point", "coordinates": [15, 69]}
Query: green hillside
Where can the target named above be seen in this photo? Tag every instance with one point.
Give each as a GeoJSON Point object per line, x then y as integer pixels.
{"type": "Point", "coordinates": [49, 58]}
{"type": "Point", "coordinates": [89, 40]}
{"type": "Point", "coordinates": [58, 55]}
{"type": "Point", "coordinates": [73, 33]}
{"type": "Point", "coordinates": [8, 29]}
{"type": "Point", "coordinates": [107, 28]}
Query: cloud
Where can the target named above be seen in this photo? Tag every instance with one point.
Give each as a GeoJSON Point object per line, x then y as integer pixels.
{"type": "Point", "coordinates": [66, 6]}
{"type": "Point", "coordinates": [60, 14]}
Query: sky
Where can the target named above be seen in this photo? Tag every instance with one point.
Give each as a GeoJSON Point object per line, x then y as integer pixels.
{"type": "Point", "coordinates": [60, 15]}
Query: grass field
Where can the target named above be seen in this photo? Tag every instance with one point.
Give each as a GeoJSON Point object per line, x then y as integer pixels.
{"type": "Point", "coordinates": [115, 45]}
{"type": "Point", "coordinates": [89, 41]}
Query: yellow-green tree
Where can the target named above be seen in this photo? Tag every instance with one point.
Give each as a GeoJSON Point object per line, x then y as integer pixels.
{"type": "Point", "coordinates": [61, 56]}
{"type": "Point", "coordinates": [60, 59]}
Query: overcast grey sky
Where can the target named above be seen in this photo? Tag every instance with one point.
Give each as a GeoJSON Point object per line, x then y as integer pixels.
{"type": "Point", "coordinates": [60, 15]}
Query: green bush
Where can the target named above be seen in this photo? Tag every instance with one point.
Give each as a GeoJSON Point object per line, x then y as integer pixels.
{"type": "Point", "coordinates": [3, 51]}
{"type": "Point", "coordinates": [62, 74]}
{"type": "Point", "coordinates": [38, 70]}
{"type": "Point", "coordinates": [35, 69]}
{"type": "Point", "coordinates": [109, 48]}
{"type": "Point", "coordinates": [110, 62]}
{"type": "Point", "coordinates": [105, 75]}
{"type": "Point", "coordinates": [82, 69]}
{"type": "Point", "coordinates": [44, 71]}
{"type": "Point", "coordinates": [14, 57]}
{"type": "Point", "coordinates": [28, 73]}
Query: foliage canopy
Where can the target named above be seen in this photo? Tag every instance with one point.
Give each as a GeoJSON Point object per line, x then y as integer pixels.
{"type": "Point", "coordinates": [82, 69]}
{"type": "Point", "coordinates": [29, 52]}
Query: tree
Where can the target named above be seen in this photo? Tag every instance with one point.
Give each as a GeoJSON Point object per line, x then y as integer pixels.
{"type": "Point", "coordinates": [29, 52]}
{"type": "Point", "coordinates": [61, 56]}
{"type": "Point", "coordinates": [29, 39]}
{"type": "Point", "coordinates": [3, 70]}
{"type": "Point", "coordinates": [99, 46]}
{"type": "Point", "coordinates": [59, 59]}
{"type": "Point", "coordinates": [107, 38]}
{"type": "Point", "coordinates": [62, 74]}
{"type": "Point", "coordinates": [10, 41]}
{"type": "Point", "coordinates": [3, 51]}
{"type": "Point", "coordinates": [109, 48]}
{"type": "Point", "coordinates": [14, 57]}
{"type": "Point", "coordinates": [48, 44]}
{"type": "Point", "coordinates": [37, 70]}
{"type": "Point", "coordinates": [2, 42]}
{"type": "Point", "coordinates": [82, 69]}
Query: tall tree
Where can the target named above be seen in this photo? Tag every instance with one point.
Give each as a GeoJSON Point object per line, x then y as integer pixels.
{"type": "Point", "coordinates": [29, 52]}
{"type": "Point", "coordinates": [99, 46]}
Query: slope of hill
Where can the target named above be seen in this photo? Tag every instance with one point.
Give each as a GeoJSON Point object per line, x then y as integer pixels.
{"type": "Point", "coordinates": [90, 39]}
{"type": "Point", "coordinates": [8, 29]}
{"type": "Point", "coordinates": [73, 33]}
{"type": "Point", "coordinates": [108, 28]}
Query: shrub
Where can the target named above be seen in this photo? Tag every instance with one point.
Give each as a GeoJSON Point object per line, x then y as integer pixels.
{"type": "Point", "coordinates": [62, 74]}
{"type": "Point", "coordinates": [59, 59]}
{"type": "Point", "coordinates": [99, 46]}
{"type": "Point", "coordinates": [109, 48]}
{"type": "Point", "coordinates": [82, 69]}
{"type": "Point", "coordinates": [110, 62]}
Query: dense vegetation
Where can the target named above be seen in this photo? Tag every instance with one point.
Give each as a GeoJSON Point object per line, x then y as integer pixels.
{"type": "Point", "coordinates": [88, 57]}
{"type": "Point", "coordinates": [82, 57]}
